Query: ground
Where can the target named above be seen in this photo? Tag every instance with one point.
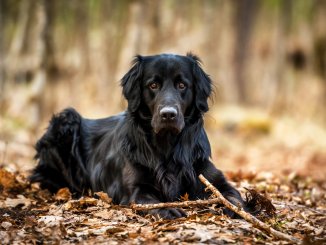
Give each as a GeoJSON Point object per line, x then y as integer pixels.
{"type": "Point", "coordinates": [285, 164]}
{"type": "Point", "coordinates": [32, 216]}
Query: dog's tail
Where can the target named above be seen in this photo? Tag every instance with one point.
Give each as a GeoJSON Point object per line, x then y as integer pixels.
{"type": "Point", "coordinates": [59, 155]}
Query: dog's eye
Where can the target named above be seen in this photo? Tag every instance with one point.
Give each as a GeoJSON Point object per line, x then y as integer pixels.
{"type": "Point", "coordinates": [181, 86]}
{"type": "Point", "coordinates": [154, 86]}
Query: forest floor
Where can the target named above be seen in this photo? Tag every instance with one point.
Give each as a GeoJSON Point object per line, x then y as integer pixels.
{"type": "Point", "coordinates": [288, 170]}
{"type": "Point", "coordinates": [29, 215]}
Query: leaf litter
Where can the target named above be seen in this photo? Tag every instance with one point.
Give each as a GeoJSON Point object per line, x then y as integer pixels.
{"type": "Point", "coordinates": [29, 215]}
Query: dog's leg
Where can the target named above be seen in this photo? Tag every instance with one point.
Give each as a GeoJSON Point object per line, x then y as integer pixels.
{"type": "Point", "coordinates": [216, 177]}
{"type": "Point", "coordinates": [141, 197]}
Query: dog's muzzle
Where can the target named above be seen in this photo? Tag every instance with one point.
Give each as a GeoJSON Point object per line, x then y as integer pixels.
{"type": "Point", "coordinates": [168, 118]}
{"type": "Point", "coordinates": [168, 114]}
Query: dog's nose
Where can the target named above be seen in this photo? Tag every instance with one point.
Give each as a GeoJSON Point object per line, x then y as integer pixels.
{"type": "Point", "coordinates": [168, 113]}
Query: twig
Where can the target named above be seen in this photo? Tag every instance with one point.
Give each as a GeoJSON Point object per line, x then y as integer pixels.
{"type": "Point", "coordinates": [248, 217]}
{"type": "Point", "coordinates": [175, 204]}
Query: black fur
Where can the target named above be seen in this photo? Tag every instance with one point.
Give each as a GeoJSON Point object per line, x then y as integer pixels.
{"type": "Point", "coordinates": [153, 152]}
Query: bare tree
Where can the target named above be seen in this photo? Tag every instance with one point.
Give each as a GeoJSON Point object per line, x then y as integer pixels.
{"type": "Point", "coordinates": [42, 46]}
{"type": "Point", "coordinates": [48, 37]}
{"type": "Point", "coordinates": [82, 28]}
{"type": "Point", "coordinates": [245, 12]}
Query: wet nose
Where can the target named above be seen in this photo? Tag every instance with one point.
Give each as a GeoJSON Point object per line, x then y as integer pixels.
{"type": "Point", "coordinates": [168, 113]}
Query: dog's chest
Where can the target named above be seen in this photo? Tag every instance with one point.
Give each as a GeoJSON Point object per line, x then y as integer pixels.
{"type": "Point", "coordinates": [173, 182]}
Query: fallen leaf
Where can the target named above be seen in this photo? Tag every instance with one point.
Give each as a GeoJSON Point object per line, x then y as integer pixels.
{"type": "Point", "coordinates": [81, 203]}
{"type": "Point", "coordinates": [104, 197]}
{"type": "Point", "coordinates": [105, 214]}
{"type": "Point", "coordinates": [20, 200]}
{"type": "Point", "coordinates": [6, 225]}
{"type": "Point", "coordinates": [50, 220]}
{"type": "Point", "coordinates": [7, 179]}
{"type": "Point", "coordinates": [113, 230]}
{"type": "Point", "coordinates": [185, 197]}
{"type": "Point", "coordinates": [63, 195]}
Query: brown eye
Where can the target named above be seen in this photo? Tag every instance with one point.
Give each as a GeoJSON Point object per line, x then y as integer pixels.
{"type": "Point", "coordinates": [154, 86]}
{"type": "Point", "coordinates": [181, 86]}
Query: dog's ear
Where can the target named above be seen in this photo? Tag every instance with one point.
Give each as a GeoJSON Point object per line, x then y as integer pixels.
{"type": "Point", "coordinates": [131, 84]}
{"type": "Point", "coordinates": [203, 84]}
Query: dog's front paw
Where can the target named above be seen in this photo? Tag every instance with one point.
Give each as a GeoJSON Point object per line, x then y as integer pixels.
{"type": "Point", "coordinates": [236, 202]}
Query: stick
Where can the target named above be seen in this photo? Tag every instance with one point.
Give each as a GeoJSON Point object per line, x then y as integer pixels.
{"type": "Point", "coordinates": [174, 204]}
{"type": "Point", "coordinates": [248, 217]}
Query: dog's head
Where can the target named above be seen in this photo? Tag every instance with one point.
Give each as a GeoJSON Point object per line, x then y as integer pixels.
{"type": "Point", "coordinates": [169, 90]}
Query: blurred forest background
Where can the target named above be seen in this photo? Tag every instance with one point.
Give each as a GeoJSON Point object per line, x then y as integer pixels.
{"type": "Point", "coordinates": [267, 60]}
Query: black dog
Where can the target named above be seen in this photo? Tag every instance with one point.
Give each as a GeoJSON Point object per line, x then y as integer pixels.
{"type": "Point", "coordinates": [153, 152]}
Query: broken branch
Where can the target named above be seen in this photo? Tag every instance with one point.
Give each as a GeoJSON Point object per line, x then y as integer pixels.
{"type": "Point", "coordinates": [248, 217]}
{"type": "Point", "coordinates": [184, 204]}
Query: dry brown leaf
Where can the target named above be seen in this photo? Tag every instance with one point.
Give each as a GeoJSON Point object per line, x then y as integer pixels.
{"type": "Point", "coordinates": [113, 230]}
{"type": "Point", "coordinates": [50, 220]}
{"type": "Point", "coordinates": [104, 197]}
{"type": "Point", "coordinates": [133, 235]}
{"type": "Point", "coordinates": [14, 202]}
{"type": "Point", "coordinates": [63, 194]}
{"type": "Point", "coordinates": [105, 214]}
{"type": "Point", "coordinates": [81, 203]}
{"type": "Point", "coordinates": [185, 197]}
{"type": "Point", "coordinates": [240, 175]}
{"type": "Point", "coordinates": [168, 228]}
{"type": "Point", "coordinates": [6, 225]}
{"type": "Point", "coordinates": [7, 179]}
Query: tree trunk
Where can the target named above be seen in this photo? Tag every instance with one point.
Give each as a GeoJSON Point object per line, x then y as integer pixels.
{"type": "Point", "coordinates": [48, 38]}
{"type": "Point", "coordinates": [39, 81]}
{"type": "Point", "coordinates": [245, 12]}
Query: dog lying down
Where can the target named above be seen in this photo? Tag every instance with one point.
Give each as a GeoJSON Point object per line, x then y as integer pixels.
{"type": "Point", "coordinates": [153, 152]}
